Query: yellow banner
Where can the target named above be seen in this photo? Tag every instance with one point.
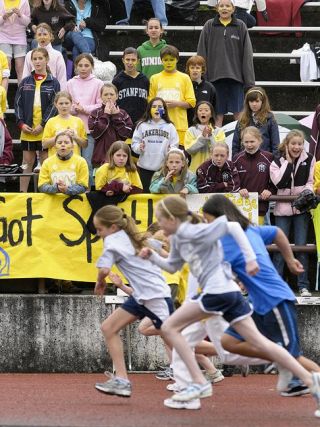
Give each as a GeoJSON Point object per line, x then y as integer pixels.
{"type": "Point", "coordinates": [45, 235]}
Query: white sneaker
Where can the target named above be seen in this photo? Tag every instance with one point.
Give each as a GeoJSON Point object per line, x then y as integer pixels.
{"type": "Point", "coordinates": [174, 387]}
{"type": "Point", "coordinates": [284, 378]}
{"type": "Point", "coordinates": [37, 168]}
{"type": "Point", "coordinates": [214, 378]}
{"type": "Point", "coordinates": [305, 293]}
{"type": "Point", "coordinates": [191, 404]}
{"type": "Point", "coordinates": [193, 391]}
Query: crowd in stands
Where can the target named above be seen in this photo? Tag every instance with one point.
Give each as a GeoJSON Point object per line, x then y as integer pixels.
{"type": "Point", "coordinates": [153, 129]}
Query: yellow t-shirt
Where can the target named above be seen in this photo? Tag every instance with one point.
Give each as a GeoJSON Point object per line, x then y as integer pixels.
{"type": "Point", "coordinates": [3, 101]}
{"type": "Point", "coordinates": [37, 114]}
{"type": "Point", "coordinates": [104, 176]}
{"type": "Point", "coordinates": [316, 183]}
{"type": "Point", "coordinates": [225, 22]}
{"type": "Point", "coordinates": [57, 124]}
{"type": "Point", "coordinates": [71, 171]}
{"type": "Point", "coordinates": [192, 136]}
{"type": "Point", "coordinates": [174, 87]}
{"type": "Point", "coordinates": [3, 64]}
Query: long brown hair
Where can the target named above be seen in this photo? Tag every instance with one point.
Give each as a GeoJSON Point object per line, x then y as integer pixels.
{"type": "Point", "coordinates": [44, 53]}
{"type": "Point", "coordinates": [109, 215]}
{"type": "Point", "coordinates": [120, 145]}
{"type": "Point", "coordinates": [261, 116]}
{"type": "Point", "coordinates": [176, 207]}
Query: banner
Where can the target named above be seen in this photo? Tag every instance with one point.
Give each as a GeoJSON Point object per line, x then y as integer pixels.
{"type": "Point", "coordinates": [45, 235]}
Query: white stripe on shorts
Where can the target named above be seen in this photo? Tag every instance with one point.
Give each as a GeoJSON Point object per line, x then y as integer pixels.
{"type": "Point", "coordinates": [282, 326]}
{"type": "Point", "coordinates": [159, 307]}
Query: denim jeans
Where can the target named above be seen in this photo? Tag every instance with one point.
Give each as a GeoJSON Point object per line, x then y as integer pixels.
{"type": "Point", "coordinates": [300, 231]}
{"type": "Point", "coordinates": [248, 19]}
{"type": "Point", "coordinates": [87, 155]}
{"type": "Point", "coordinates": [158, 6]}
{"type": "Point", "coordinates": [79, 44]}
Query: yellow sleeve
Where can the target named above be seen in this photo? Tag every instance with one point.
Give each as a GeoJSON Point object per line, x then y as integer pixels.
{"type": "Point", "coordinates": [153, 87]}
{"type": "Point", "coordinates": [220, 136]}
{"type": "Point", "coordinates": [3, 101]}
{"type": "Point", "coordinates": [48, 131]}
{"type": "Point", "coordinates": [101, 177]}
{"type": "Point", "coordinates": [189, 95]}
{"type": "Point", "coordinates": [189, 139]}
{"type": "Point", "coordinates": [83, 173]}
{"type": "Point", "coordinates": [316, 184]}
{"type": "Point", "coordinates": [44, 175]}
{"type": "Point", "coordinates": [4, 61]}
{"type": "Point", "coordinates": [82, 130]}
{"type": "Point", "coordinates": [135, 179]}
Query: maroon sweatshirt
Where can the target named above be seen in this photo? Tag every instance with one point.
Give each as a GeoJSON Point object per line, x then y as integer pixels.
{"type": "Point", "coordinates": [254, 173]}
{"type": "Point", "coordinates": [212, 179]}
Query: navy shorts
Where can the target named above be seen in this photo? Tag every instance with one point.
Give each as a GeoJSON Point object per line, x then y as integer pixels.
{"type": "Point", "coordinates": [164, 307]}
{"type": "Point", "coordinates": [230, 96]}
{"type": "Point", "coordinates": [231, 305]}
{"type": "Point", "coordinates": [278, 325]}
{"type": "Point", "coordinates": [32, 146]}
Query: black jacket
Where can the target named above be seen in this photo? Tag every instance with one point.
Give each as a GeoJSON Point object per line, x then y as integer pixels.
{"type": "Point", "coordinates": [204, 91]}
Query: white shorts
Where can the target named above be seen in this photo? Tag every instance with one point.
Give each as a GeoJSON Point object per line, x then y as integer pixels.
{"type": "Point", "coordinates": [14, 50]}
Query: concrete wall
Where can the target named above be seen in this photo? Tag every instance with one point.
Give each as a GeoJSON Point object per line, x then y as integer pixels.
{"type": "Point", "coordinates": [61, 333]}
{"type": "Point", "coordinates": [49, 333]}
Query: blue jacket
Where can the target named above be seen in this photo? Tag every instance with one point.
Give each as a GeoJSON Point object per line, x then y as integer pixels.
{"type": "Point", "coordinates": [24, 99]}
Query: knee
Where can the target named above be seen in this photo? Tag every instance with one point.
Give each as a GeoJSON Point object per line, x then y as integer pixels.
{"type": "Point", "coordinates": [107, 329]}
{"type": "Point", "coordinates": [226, 344]}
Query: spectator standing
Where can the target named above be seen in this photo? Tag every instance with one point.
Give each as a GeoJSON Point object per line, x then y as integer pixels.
{"type": "Point", "coordinates": [243, 8]}
{"type": "Point", "coordinates": [44, 37]}
{"type": "Point", "coordinates": [149, 52]}
{"type": "Point", "coordinates": [85, 91]}
{"type": "Point", "coordinates": [6, 154]}
{"type": "Point", "coordinates": [257, 113]}
{"type": "Point", "coordinates": [4, 70]}
{"type": "Point", "coordinates": [107, 124]}
{"type": "Point", "coordinates": [66, 123]}
{"type": "Point", "coordinates": [153, 137]}
{"type": "Point", "coordinates": [218, 175]}
{"type": "Point", "coordinates": [203, 90]}
{"type": "Point", "coordinates": [133, 87]}
{"type": "Point", "coordinates": [14, 19]}
{"type": "Point", "coordinates": [53, 13]}
{"type": "Point", "coordinates": [202, 135]}
{"type": "Point", "coordinates": [158, 6]}
{"type": "Point", "coordinates": [225, 45]}
{"type": "Point", "coordinates": [33, 108]}
{"type": "Point", "coordinates": [291, 174]}
{"type": "Point", "coordinates": [175, 88]}
{"type": "Point", "coordinates": [253, 165]}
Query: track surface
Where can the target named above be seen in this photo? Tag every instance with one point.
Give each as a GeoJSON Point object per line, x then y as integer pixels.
{"type": "Point", "coordinates": [70, 400]}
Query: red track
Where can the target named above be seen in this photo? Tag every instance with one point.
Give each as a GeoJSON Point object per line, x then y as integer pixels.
{"type": "Point", "coordinates": [71, 400]}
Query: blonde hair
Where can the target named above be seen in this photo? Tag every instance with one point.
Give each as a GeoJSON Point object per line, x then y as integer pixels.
{"type": "Point", "coordinates": [252, 130]}
{"type": "Point", "coordinates": [109, 215]}
{"type": "Point", "coordinates": [292, 134]}
{"type": "Point", "coordinates": [62, 94]}
{"type": "Point", "coordinates": [172, 207]}
{"type": "Point", "coordinates": [220, 144]}
{"type": "Point", "coordinates": [164, 168]}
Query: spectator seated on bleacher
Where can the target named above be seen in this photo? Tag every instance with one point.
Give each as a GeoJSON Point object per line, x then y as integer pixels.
{"type": "Point", "coordinates": [158, 6]}
{"type": "Point", "coordinates": [6, 155]}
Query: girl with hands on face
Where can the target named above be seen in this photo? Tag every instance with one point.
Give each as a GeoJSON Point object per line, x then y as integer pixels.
{"type": "Point", "coordinates": [108, 123]}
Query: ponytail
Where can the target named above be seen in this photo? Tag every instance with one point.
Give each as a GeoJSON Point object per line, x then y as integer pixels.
{"type": "Point", "coordinates": [109, 215]}
{"type": "Point", "coordinates": [176, 207]}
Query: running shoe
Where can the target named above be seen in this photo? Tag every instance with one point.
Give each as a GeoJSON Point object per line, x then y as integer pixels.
{"type": "Point", "coordinates": [193, 391]}
{"type": "Point", "coordinates": [315, 391]}
{"type": "Point", "coordinates": [174, 404]}
{"type": "Point", "coordinates": [174, 387]}
{"type": "Point", "coordinates": [298, 390]}
{"type": "Point", "coordinates": [216, 377]}
{"type": "Point", "coordinates": [270, 369]}
{"type": "Point", "coordinates": [116, 386]}
{"type": "Point", "coordinates": [165, 375]}
{"type": "Point", "coordinates": [284, 378]}
{"type": "Point", "coordinates": [245, 370]}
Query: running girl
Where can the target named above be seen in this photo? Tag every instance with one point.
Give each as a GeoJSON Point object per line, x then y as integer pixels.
{"type": "Point", "coordinates": [150, 295]}
{"type": "Point", "coordinates": [199, 246]}
{"type": "Point", "coordinates": [174, 176]}
{"type": "Point", "coordinates": [153, 137]}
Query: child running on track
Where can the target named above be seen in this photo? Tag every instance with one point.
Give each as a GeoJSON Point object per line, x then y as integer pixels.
{"type": "Point", "coordinates": [150, 294]}
{"type": "Point", "coordinates": [199, 246]}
